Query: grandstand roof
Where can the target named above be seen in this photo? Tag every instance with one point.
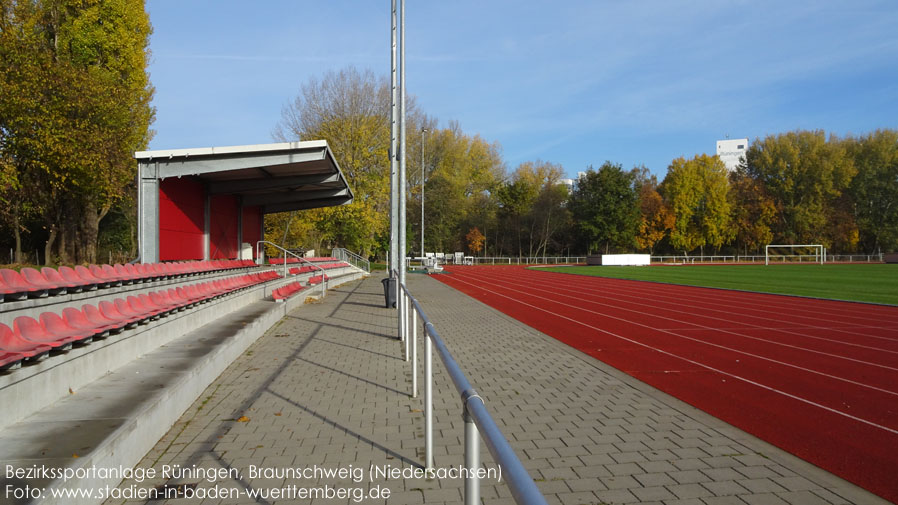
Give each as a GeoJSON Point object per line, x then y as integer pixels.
{"type": "Point", "coordinates": [277, 177]}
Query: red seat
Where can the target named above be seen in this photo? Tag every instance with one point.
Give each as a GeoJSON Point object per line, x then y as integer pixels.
{"type": "Point", "coordinates": [73, 277]}
{"type": "Point", "coordinates": [10, 360]}
{"type": "Point", "coordinates": [12, 342]}
{"type": "Point", "coordinates": [100, 320]}
{"type": "Point", "coordinates": [33, 330]}
{"type": "Point", "coordinates": [107, 276]}
{"type": "Point", "coordinates": [126, 309]}
{"type": "Point", "coordinates": [125, 274]}
{"type": "Point", "coordinates": [53, 276]}
{"type": "Point", "coordinates": [57, 326]}
{"type": "Point", "coordinates": [89, 277]}
{"type": "Point", "coordinates": [110, 311]}
{"type": "Point", "coordinates": [17, 286]}
{"type": "Point", "coordinates": [76, 319]}
{"type": "Point", "coordinates": [148, 311]}
{"type": "Point", "coordinates": [37, 279]}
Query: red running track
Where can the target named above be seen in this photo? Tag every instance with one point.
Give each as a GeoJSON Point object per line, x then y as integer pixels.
{"type": "Point", "coordinates": [817, 378]}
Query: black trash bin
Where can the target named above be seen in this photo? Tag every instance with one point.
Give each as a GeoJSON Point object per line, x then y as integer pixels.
{"type": "Point", "coordinates": [389, 292]}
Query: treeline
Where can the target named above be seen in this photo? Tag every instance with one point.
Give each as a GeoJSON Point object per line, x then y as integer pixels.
{"type": "Point", "coordinates": [74, 106]}
{"type": "Point", "coordinates": [796, 187]}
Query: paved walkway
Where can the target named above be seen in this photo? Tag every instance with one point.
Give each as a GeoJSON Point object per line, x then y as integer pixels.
{"type": "Point", "coordinates": [326, 391]}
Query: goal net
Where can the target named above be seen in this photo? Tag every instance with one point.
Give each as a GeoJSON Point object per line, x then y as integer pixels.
{"type": "Point", "coordinates": [791, 253]}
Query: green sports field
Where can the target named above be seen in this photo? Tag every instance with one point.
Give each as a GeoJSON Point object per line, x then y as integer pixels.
{"type": "Point", "coordinates": [864, 283]}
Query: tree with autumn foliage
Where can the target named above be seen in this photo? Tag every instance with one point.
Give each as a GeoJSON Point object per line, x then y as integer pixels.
{"type": "Point", "coordinates": [475, 240]}
{"type": "Point", "coordinates": [655, 218]}
{"type": "Point", "coordinates": [75, 105]}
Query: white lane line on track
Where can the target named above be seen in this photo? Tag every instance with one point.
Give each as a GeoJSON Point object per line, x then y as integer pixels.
{"type": "Point", "coordinates": [707, 367]}
{"type": "Point", "coordinates": [700, 326]}
{"type": "Point", "coordinates": [796, 305]}
{"type": "Point", "coordinates": [513, 280]}
{"type": "Point", "coordinates": [816, 317]}
{"type": "Point", "coordinates": [850, 330]}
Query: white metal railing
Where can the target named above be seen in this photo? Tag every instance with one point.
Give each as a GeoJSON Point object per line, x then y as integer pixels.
{"type": "Point", "coordinates": [523, 260]}
{"type": "Point", "coordinates": [260, 259]}
{"type": "Point", "coordinates": [478, 421]}
{"type": "Point", "coordinates": [352, 258]}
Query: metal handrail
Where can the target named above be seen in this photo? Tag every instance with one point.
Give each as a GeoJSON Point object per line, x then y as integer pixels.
{"type": "Point", "coordinates": [301, 259]}
{"type": "Point", "coordinates": [352, 258]}
{"type": "Point", "coordinates": [478, 421]}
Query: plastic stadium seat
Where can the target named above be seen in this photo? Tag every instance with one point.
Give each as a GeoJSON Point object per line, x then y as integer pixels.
{"type": "Point", "coordinates": [126, 274]}
{"type": "Point", "coordinates": [137, 305]}
{"type": "Point", "coordinates": [54, 276]}
{"type": "Point", "coordinates": [167, 306]}
{"type": "Point", "coordinates": [127, 310]}
{"type": "Point", "coordinates": [18, 287]}
{"type": "Point", "coordinates": [95, 316]}
{"type": "Point", "coordinates": [33, 330]}
{"type": "Point", "coordinates": [37, 279]}
{"type": "Point", "coordinates": [56, 326]}
{"type": "Point", "coordinates": [76, 319]}
{"type": "Point", "coordinates": [10, 360]}
{"type": "Point", "coordinates": [89, 277]}
{"type": "Point", "coordinates": [110, 311]}
{"type": "Point", "coordinates": [12, 342]}
{"type": "Point", "coordinates": [74, 277]}
{"type": "Point", "coordinates": [110, 273]}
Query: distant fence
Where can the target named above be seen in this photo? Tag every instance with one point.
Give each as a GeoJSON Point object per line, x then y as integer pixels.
{"type": "Point", "coordinates": [759, 258]}
{"type": "Point", "coordinates": [671, 259]}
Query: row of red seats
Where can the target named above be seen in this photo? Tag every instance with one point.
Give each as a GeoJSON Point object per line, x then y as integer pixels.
{"type": "Point", "coordinates": [310, 268]}
{"type": "Point", "coordinates": [30, 283]}
{"type": "Point", "coordinates": [316, 279]}
{"type": "Point", "coordinates": [30, 340]}
{"type": "Point", "coordinates": [284, 292]}
{"type": "Point", "coordinates": [280, 261]}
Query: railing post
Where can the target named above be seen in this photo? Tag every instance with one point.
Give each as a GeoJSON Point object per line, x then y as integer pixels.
{"type": "Point", "coordinates": [428, 401]}
{"type": "Point", "coordinates": [414, 353]}
{"type": "Point", "coordinates": [472, 457]}
{"type": "Point", "coordinates": [404, 316]}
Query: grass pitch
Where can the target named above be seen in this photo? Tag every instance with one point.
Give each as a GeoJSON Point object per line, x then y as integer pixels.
{"type": "Point", "coordinates": [863, 283]}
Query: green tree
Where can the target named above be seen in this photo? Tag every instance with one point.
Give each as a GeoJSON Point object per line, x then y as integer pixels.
{"type": "Point", "coordinates": [874, 190]}
{"type": "Point", "coordinates": [754, 212]}
{"type": "Point", "coordinates": [696, 192]}
{"type": "Point", "coordinates": [604, 207]}
{"type": "Point", "coordinates": [803, 174]}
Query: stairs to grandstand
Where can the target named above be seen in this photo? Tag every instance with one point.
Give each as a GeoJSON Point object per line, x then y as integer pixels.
{"type": "Point", "coordinates": [98, 362]}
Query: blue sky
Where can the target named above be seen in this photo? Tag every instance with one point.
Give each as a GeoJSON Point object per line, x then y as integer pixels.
{"type": "Point", "coordinates": [574, 82]}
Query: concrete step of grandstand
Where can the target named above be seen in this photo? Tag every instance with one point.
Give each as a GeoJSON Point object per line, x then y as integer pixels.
{"type": "Point", "coordinates": [114, 419]}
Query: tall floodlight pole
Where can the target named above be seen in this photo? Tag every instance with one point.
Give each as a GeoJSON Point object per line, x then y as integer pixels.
{"type": "Point", "coordinates": [394, 172]}
{"type": "Point", "coordinates": [403, 196]}
{"type": "Point", "coordinates": [423, 137]}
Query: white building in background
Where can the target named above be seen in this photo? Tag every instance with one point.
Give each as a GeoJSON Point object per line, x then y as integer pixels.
{"type": "Point", "coordinates": [731, 151]}
{"type": "Point", "coordinates": [567, 182]}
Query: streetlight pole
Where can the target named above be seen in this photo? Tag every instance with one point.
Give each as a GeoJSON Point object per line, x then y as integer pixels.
{"type": "Point", "coordinates": [423, 131]}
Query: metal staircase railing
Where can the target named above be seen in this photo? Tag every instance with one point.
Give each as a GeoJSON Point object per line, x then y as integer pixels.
{"type": "Point", "coordinates": [352, 258]}
{"type": "Point", "coordinates": [260, 257]}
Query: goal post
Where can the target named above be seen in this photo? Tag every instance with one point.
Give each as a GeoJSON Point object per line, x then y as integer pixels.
{"type": "Point", "coordinates": [817, 256]}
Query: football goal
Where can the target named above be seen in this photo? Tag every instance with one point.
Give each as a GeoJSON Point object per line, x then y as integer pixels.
{"type": "Point", "coordinates": [792, 253]}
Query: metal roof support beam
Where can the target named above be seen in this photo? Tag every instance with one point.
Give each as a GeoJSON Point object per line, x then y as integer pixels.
{"type": "Point", "coordinates": [251, 200]}
{"type": "Point", "coordinates": [307, 204]}
{"type": "Point", "coordinates": [243, 186]}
